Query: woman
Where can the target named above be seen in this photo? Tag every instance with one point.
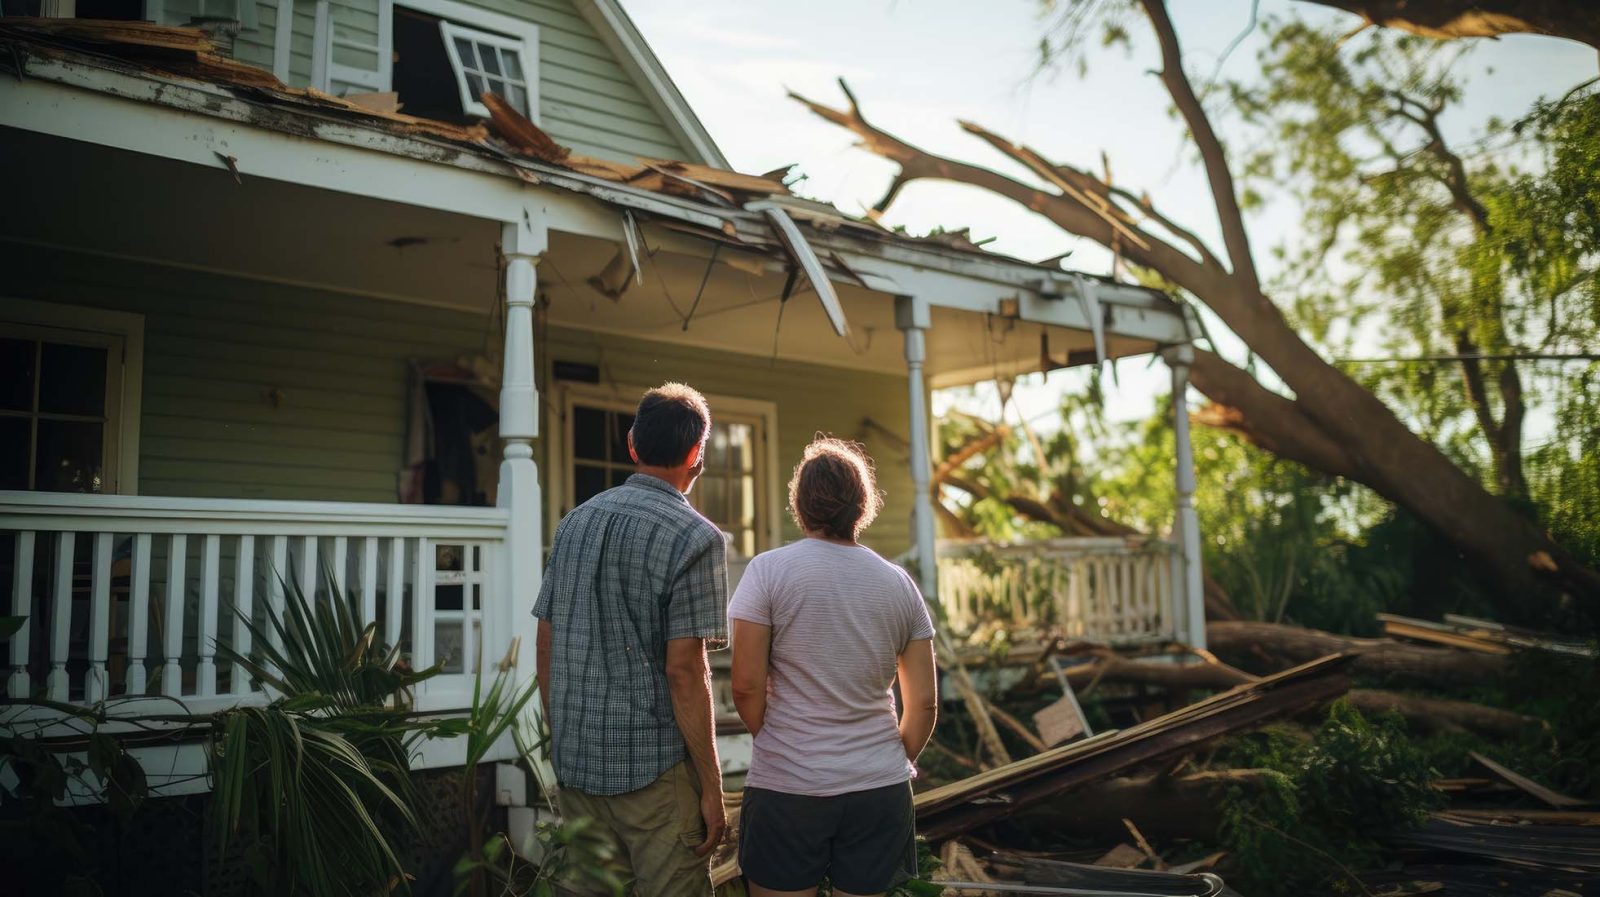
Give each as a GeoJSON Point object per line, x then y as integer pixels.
{"type": "Point", "coordinates": [821, 630]}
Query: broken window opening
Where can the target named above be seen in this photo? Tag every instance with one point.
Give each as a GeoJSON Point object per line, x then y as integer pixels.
{"type": "Point", "coordinates": [441, 68]}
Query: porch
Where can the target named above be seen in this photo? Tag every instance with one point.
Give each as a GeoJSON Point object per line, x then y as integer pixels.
{"type": "Point", "coordinates": [262, 318]}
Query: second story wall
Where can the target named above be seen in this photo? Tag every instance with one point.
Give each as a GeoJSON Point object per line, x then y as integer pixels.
{"type": "Point", "coordinates": [585, 96]}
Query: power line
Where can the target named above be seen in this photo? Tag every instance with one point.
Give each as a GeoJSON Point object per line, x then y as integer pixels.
{"type": "Point", "coordinates": [1477, 356]}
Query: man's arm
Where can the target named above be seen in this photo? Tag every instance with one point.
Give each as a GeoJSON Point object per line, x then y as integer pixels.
{"type": "Point", "coordinates": [752, 649]}
{"type": "Point", "coordinates": [542, 650]}
{"type": "Point", "coordinates": [689, 681]}
{"type": "Point", "coordinates": [919, 694]}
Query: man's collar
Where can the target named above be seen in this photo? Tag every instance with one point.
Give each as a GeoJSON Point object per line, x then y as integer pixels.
{"type": "Point", "coordinates": [653, 482]}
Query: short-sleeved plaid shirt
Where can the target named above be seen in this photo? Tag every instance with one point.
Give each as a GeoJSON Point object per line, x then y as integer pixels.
{"type": "Point", "coordinates": [629, 569]}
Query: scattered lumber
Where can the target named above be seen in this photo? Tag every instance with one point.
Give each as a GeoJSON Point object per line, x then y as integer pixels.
{"type": "Point", "coordinates": [1485, 636]}
{"type": "Point", "coordinates": [1276, 645]}
{"type": "Point", "coordinates": [1400, 627]}
{"type": "Point", "coordinates": [1097, 879]}
{"type": "Point", "coordinates": [521, 134]}
{"type": "Point", "coordinates": [1572, 847]}
{"type": "Point", "coordinates": [1528, 786]}
{"type": "Point", "coordinates": [1165, 808]}
{"type": "Point", "coordinates": [964, 805]}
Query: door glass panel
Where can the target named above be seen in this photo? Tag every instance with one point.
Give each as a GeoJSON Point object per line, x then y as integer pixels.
{"type": "Point", "coordinates": [68, 456]}
{"type": "Point", "coordinates": [72, 379]}
{"type": "Point", "coordinates": [16, 374]}
{"type": "Point", "coordinates": [15, 434]}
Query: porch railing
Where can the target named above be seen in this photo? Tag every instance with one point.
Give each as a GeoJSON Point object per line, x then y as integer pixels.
{"type": "Point", "coordinates": [1114, 590]}
{"type": "Point", "coordinates": [130, 596]}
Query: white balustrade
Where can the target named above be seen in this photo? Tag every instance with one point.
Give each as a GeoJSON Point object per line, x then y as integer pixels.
{"type": "Point", "coordinates": [99, 578]}
{"type": "Point", "coordinates": [1112, 590]}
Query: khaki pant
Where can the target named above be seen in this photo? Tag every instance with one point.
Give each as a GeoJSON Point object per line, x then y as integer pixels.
{"type": "Point", "coordinates": [656, 829]}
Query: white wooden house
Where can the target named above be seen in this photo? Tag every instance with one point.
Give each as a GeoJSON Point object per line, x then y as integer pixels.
{"type": "Point", "coordinates": [241, 321]}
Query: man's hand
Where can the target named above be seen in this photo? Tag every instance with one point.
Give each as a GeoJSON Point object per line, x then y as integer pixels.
{"type": "Point", "coordinates": [716, 817]}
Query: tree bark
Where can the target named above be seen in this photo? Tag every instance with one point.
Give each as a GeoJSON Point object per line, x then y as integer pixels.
{"type": "Point", "coordinates": [1163, 807]}
{"type": "Point", "coordinates": [1336, 423]}
{"type": "Point", "coordinates": [1577, 20]}
{"type": "Point", "coordinates": [1269, 647]}
{"type": "Point", "coordinates": [1443, 715]}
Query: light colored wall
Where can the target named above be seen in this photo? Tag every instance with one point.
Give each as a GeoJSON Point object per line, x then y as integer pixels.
{"type": "Point", "coordinates": [586, 100]}
{"type": "Point", "coordinates": [216, 349]}
{"type": "Point", "coordinates": [809, 398]}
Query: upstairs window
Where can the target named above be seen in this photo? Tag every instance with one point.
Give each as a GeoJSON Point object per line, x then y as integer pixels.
{"type": "Point", "coordinates": [486, 63]}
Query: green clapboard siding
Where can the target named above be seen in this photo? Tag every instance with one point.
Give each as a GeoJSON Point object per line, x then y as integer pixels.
{"type": "Point", "coordinates": [809, 398]}
{"type": "Point", "coordinates": [257, 390]}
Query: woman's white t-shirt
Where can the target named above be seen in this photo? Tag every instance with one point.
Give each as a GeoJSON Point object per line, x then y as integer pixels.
{"type": "Point", "coordinates": [840, 617]}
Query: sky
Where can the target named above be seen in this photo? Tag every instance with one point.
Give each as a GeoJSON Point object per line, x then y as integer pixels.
{"type": "Point", "coordinates": [919, 66]}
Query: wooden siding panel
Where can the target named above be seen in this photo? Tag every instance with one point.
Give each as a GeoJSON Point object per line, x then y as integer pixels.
{"type": "Point", "coordinates": [258, 390]}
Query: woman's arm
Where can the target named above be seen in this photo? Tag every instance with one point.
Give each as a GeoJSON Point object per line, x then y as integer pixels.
{"type": "Point", "coordinates": [752, 646]}
{"type": "Point", "coordinates": [919, 696]}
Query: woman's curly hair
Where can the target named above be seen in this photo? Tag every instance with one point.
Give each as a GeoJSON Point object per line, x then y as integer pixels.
{"type": "Point", "coordinates": [834, 490]}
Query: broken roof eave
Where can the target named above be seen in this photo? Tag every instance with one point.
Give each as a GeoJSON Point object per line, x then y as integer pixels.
{"type": "Point", "coordinates": [106, 99]}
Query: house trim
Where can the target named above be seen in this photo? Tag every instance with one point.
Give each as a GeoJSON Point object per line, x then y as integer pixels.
{"type": "Point", "coordinates": [622, 37]}
{"type": "Point", "coordinates": [282, 39]}
{"type": "Point", "coordinates": [128, 328]}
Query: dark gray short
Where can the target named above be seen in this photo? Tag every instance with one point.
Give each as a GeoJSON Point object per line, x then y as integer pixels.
{"type": "Point", "coordinates": [863, 841]}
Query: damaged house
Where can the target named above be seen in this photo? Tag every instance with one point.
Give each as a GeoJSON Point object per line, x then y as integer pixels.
{"type": "Point", "coordinates": [372, 286]}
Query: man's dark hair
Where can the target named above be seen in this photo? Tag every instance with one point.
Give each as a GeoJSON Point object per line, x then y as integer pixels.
{"type": "Point", "coordinates": [671, 420]}
{"type": "Point", "coordinates": [834, 490]}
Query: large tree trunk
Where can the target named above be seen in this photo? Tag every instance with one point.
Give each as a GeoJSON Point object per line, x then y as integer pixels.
{"type": "Point", "coordinates": [1269, 647]}
{"type": "Point", "coordinates": [1332, 423]}
{"type": "Point", "coordinates": [1577, 20]}
{"type": "Point", "coordinates": [1164, 808]}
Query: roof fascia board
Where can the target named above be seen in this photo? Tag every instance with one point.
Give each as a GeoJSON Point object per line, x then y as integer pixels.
{"type": "Point", "coordinates": [622, 37]}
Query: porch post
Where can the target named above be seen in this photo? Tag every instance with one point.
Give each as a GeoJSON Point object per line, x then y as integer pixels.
{"type": "Point", "coordinates": [911, 315]}
{"type": "Point", "coordinates": [521, 245]}
{"type": "Point", "coordinates": [1190, 597]}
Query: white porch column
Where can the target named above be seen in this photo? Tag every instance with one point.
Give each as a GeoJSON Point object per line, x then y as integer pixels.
{"type": "Point", "coordinates": [911, 315]}
{"type": "Point", "coordinates": [521, 243]}
{"type": "Point", "coordinates": [1190, 598]}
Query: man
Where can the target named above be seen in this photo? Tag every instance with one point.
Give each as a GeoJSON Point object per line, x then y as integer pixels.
{"type": "Point", "coordinates": [635, 591]}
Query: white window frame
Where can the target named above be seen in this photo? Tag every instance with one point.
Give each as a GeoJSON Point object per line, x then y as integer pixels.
{"type": "Point", "coordinates": [450, 31]}
{"type": "Point", "coordinates": [124, 387]}
{"type": "Point", "coordinates": [516, 34]}
{"type": "Point", "coordinates": [559, 480]}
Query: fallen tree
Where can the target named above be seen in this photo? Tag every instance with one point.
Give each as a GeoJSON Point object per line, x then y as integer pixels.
{"type": "Point", "coordinates": [1274, 646]}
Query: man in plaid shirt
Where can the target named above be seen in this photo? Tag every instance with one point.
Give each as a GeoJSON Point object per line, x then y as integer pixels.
{"type": "Point", "coordinates": [635, 592]}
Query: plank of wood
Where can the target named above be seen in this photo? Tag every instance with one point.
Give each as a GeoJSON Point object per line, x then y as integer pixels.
{"type": "Point", "coordinates": [1435, 634]}
{"type": "Point", "coordinates": [1528, 786]}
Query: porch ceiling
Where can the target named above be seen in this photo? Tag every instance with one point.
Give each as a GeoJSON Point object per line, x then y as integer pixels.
{"type": "Point", "coordinates": [740, 310]}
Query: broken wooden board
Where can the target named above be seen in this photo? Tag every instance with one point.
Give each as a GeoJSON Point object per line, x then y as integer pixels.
{"type": "Point", "coordinates": [1527, 786]}
{"type": "Point", "coordinates": [521, 134]}
{"type": "Point", "coordinates": [960, 806]}
{"type": "Point", "coordinates": [1060, 722]}
{"type": "Point", "coordinates": [1396, 626]}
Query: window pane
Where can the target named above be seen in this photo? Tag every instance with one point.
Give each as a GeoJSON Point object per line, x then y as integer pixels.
{"type": "Point", "coordinates": [714, 499]}
{"type": "Point", "coordinates": [15, 434]}
{"type": "Point", "coordinates": [717, 448]}
{"type": "Point", "coordinates": [72, 379]}
{"type": "Point", "coordinates": [448, 558]}
{"type": "Point", "coordinates": [475, 86]}
{"type": "Point", "coordinates": [16, 374]}
{"type": "Point", "coordinates": [469, 56]}
{"type": "Point", "coordinates": [587, 482]}
{"type": "Point", "coordinates": [513, 61]}
{"type": "Point", "coordinates": [496, 87]}
{"type": "Point", "coordinates": [518, 97]}
{"type": "Point", "coordinates": [589, 433]}
{"type": "Point", "coordinates": [619, 423]}
{"type": "Point", "coordinates": [741, 447]}
{"type": "Point", "coordinates": [68, 457]}
{"type": "Point", "coordinates": [491, 59]}
{"type": "Point", "coordinates": [448, 597]}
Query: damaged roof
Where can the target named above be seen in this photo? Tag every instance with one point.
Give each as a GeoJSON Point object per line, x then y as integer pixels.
{"type": "Point", "coordinates": [715, 203]}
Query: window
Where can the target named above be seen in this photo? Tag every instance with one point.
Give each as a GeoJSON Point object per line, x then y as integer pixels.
{"type": "Point", "coordinates": [485, 63]}
{"type": "Point", "coordinates": [447, 54]}
{"type": "Point", "coordinates": [731, 493]}
{"type": "Point", "coordinates": [59, 396]}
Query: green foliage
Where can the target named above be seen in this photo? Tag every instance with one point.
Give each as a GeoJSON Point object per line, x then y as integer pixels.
{"type": "Point", "coordinates": [1327, 802]}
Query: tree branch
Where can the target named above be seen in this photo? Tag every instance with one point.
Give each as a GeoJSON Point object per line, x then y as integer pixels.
{"type": "Point", "coordinates": [1577, 20]}
{"type": "Point", "coordinates": [1273, 422]}
{"type": "Point", "coordinates": [1212, 155]}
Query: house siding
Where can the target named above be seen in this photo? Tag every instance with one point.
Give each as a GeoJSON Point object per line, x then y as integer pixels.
{"type": "Point", "coordinates": [253, 389]}
{"type": "Point", "coordinates": [261, 390]}
{"type": "Point", "coordinates": [586, 99]}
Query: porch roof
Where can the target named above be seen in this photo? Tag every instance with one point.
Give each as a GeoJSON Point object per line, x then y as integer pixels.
{"type": "Point", "coordinates": [1090, 317]}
